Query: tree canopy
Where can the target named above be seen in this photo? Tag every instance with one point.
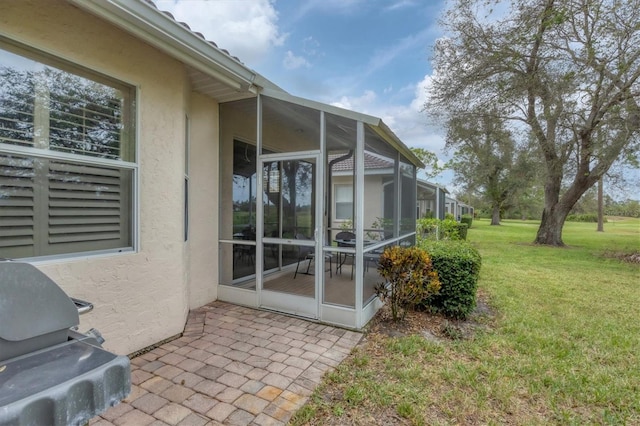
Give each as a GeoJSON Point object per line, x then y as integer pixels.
{"type": "Point", "coordinates": [488, 161]}
{"type": "Point", "coordinates": [567, 72]}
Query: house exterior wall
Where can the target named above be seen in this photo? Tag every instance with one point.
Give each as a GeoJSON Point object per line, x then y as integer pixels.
{"type": "Point", "coordinates": [140, 298]}
{"type": "Point", "coordinates": [373, 199]}
{"type": "Point", "coordinates": [202, 244]}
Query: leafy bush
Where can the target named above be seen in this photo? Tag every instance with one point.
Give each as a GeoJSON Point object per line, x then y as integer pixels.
{"type": "Point", "coordinates": [458, 267]}
{"type": "Point", "coordinates": [409, 278]}
{"type": "Point", "coordinates": [587, 217]}
{"type": "Point", "coordinates": [428, 228]}
{"type": "Point", "coordinates": [460, 230]}
{"type": "Point", "coordinates": [449, 216]}
{"type": "Point", "coordinates": [468, 219]}
{"type": "Point", "coordinates": [435, 229]}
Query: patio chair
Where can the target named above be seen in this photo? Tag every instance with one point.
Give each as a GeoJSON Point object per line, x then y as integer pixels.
{"type": "Point", "coordinates": [341, 238]}
{"type": "Point", "coordinates": [308, 253]}
{"type": "Point", "coordinates": [247, 253]}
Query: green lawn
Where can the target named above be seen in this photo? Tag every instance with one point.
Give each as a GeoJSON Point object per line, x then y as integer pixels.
{"type": "Point", "coordinates": [563, 347]}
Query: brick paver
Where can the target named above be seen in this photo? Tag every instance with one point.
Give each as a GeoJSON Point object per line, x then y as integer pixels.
{"type": "Point", "coordinates": [233, 365]}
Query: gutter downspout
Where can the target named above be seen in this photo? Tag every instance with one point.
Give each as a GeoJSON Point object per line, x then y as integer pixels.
{"type": "Point", "coordinates": [329, 188]}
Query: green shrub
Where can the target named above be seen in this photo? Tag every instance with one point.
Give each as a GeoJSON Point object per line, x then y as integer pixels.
{"type": "Point", "coordinates": [435, 229]}
{"type": "Point", "coordinates": [587, 217]}
{"type": "Point", "coordinates": [460, 229]}
{"type": "Point", "coordinates": [458, 267]}
{"type": "Point", "coordinates": [468, 219]}
{"type": "Point", "coordinates": [428, 228]}
{"type": "Point", "coordinates": [409, 278]}
{"type": "Point", "coordinates": [449, 216]}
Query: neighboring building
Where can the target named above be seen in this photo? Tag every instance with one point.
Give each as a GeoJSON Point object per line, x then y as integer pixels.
{"type": "Point", "coordinates": [131, 151]}
{"type": "Point", "coordinates": [457, 208]}
{"type": "Point", "coordinates": [431, 200]}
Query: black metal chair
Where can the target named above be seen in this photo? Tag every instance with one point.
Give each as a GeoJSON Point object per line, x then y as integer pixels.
{"type": "Point", "coordinates": [246, 252]}
{"type": "Point", "coordinates": [308, 253]}
{"type": "Point", "coordinates": [341, 238]}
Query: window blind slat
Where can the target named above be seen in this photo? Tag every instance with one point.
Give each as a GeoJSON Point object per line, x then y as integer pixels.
{"type": "Point", "coordinates": [60, 212]}
{"type": "Point", "coordinates": [84, 170]}
{"type": "Point", "coordinates": [11, 212]}
{"type": "Point", "coordinates": [62, 220]}
{"type": "Point", "coordinates": [10, 243]}
{"type": "Point", "coordinates": [84, 195]}
{"type": "Point", "coordinates": [78, 215]}
{"type": "Point", "coordinates": [17, 201]}
{"type": "Point", "coordinates": [73, 238]}
{"type": "Point", "coordinates": [17, 221]}
{"type": "Point", "coordinates": [81, 204]}
{"type": "Point", "coordinates": [87, 230]}
{"type": "Point", "coordinates": [17, 231]}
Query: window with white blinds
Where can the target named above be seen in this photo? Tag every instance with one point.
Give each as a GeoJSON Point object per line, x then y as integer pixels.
{"type": "Point", "coordinates": [66, 157]}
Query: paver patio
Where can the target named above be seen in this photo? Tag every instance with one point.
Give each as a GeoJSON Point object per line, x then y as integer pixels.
{"type": "Point", "coordinates": [233, 365]}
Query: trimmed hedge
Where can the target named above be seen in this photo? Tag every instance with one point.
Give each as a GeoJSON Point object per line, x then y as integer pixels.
{"type": "Point", "coordinates": [468, 219]}
{"type": "Point", "coordinates": [458, 267]}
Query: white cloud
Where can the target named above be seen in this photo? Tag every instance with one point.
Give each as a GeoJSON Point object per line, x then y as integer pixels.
{"type": "Point", "coordinates": [292, 61]}
{"type": "Point", "coordinates": [360, 104]}
{"type": "Point", "coordinates": [407, 121]}
{"type": "Point", "coordinates": [247, 29]}
{"type": "Point", "coordinates": [310, 46]}
{"type": "Point", "coordinates": [401, 4]}
{"type": "Point", "coordinates": [337, 7]}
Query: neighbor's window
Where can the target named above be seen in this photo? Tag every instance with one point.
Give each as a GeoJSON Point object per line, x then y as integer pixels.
{"type": "Point", "coordinates": [66, 157]}
{"type": "Point", "coordinates": [344, 202]}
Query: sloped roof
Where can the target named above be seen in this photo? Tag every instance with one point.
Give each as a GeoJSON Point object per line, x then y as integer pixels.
{"type": "Point", "coordinates": [370, 162]}
{"type": "Point", "coordinates": [184, 24]}
{"type": "Point", "coordinates": [212, 70]}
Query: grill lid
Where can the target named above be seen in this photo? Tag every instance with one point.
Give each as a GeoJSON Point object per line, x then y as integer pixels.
{"type": "Point", "coordinates": [31, 304]}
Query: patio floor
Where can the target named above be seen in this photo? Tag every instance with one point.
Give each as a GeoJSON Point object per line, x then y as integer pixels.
{"type": "Point", "coordinates": [232, 366]}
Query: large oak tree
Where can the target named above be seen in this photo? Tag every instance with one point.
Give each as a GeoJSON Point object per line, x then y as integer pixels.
{"type": "Point", "coordinates": [566, 70]}
{"type": "Point", "coordinates": [488, 161]}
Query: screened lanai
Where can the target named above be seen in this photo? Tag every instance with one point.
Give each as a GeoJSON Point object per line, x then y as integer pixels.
{"type": "Point", "coordinates": [310, 195]}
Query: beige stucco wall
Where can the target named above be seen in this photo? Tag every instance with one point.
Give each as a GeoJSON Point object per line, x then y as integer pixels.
{"type": "Point", "coordinates": [140, 298]}
{"type": "Point", "coordinates": [373, 199]}
{"type": "Point", "coordinates": [202, 244]}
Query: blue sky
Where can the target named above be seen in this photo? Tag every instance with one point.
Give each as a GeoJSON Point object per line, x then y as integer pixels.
{"type": "Point", "coordinates": [371, 56]}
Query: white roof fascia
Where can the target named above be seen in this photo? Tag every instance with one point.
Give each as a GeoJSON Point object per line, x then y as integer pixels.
{"type": "Point", "coordinates": [374, 122]}
{"type": "Point", "coordinates": [431, 184]}
{"type": "Point", "coordinates": [166, 34]}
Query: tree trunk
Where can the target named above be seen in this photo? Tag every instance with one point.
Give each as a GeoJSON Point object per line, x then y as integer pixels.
{"type": "Point", "coordinates": [553, 215]}
{"type": "Point", "coordinates": [550, 231]}
{"type": "Point", "coordinates": [557, 209]}
{"type": "Point", "coordinates": [600, 207]}
{"type": "Point", "coordinates": [495, 215]}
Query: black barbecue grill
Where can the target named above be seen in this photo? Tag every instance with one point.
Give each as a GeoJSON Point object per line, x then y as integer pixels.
{"type": "Point", "coordinates": [50, 374]}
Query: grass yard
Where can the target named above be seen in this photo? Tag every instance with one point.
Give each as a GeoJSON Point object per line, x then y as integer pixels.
{"type": "Point", "coordinates": [561, 347]}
